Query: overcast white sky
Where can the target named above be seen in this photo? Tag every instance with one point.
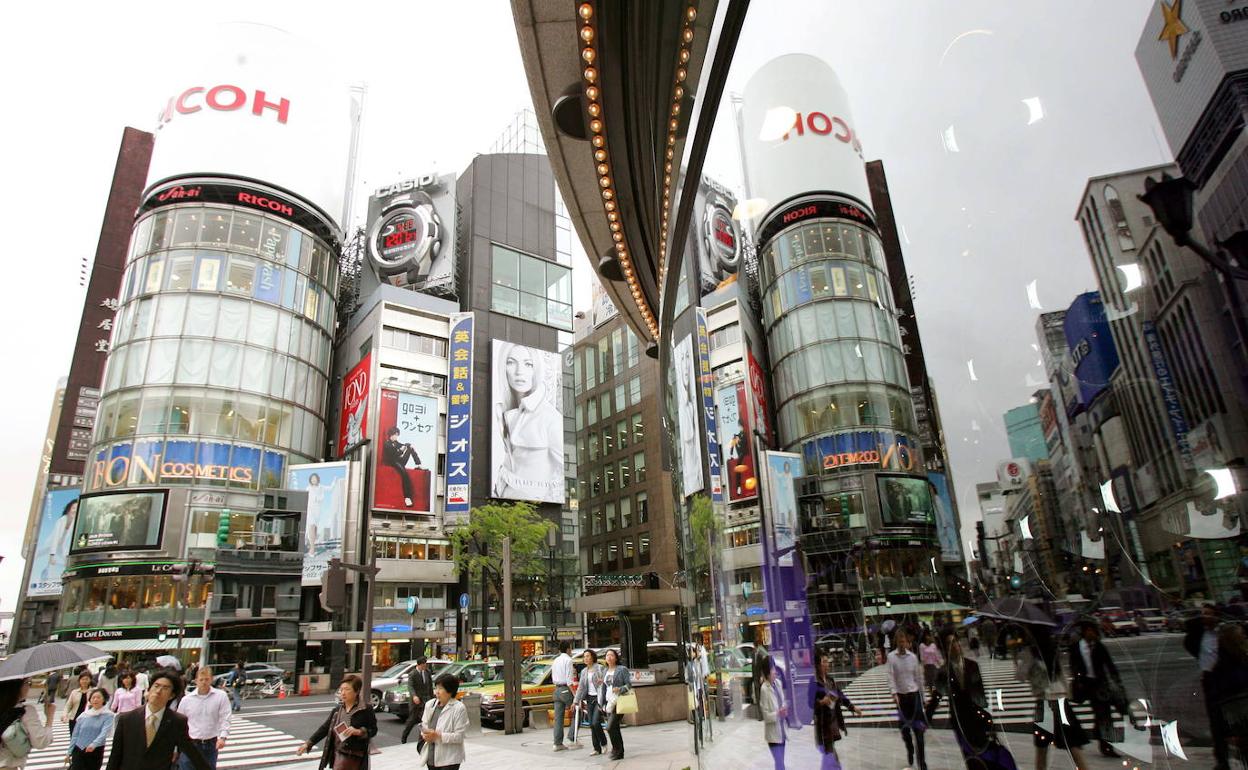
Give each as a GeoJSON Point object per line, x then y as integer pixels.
{"type": "Point", "coordinates": [443, 80]}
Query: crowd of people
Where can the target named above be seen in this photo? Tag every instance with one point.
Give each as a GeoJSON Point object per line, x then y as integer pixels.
{"type": "Point", "coordinates": [148, 720]}
{"type": "Point", "coordinates": [1061, 669]}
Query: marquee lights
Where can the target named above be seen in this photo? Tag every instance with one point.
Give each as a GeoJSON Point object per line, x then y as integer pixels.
{"type": "Point", "coordinates": [597, 126]}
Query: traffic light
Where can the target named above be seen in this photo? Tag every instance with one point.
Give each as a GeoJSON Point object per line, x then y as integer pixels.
{"type": "Point", "coordinates": [1016, 581]}
{"type": "Point", "coordinates": [334, 587]}
{"type": "Point", "coordinates": [223, 528]}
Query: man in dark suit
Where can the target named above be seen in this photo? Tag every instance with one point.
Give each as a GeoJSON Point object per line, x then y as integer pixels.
{"type": "Point", "coordinates": [150, 738]}
{"type": "Point", "coordinates": [420, 687]}
{"type": "Point", "coordinates": [396, 454]}
{"type": "Point", "coordinates": [1095, 679]}
{"type": "Point", "coordinates": [1200, 639]}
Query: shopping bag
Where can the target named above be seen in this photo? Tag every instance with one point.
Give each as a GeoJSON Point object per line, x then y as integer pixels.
{"type": "Point", "coordinates": [626, 703]}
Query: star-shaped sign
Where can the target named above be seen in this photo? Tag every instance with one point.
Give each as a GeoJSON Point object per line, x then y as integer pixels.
{"type": "Point", "coordinates": [1173, 27]}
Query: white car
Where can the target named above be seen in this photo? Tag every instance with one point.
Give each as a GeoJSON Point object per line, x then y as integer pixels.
{"type": "Point", "coordinates": [396, 674]}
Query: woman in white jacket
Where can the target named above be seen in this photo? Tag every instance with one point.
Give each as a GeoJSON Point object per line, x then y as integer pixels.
{"type": "Point", "coordinates": [775, 711]}
{"type": "Point", "coordinates": [20, 721]}
{"type": "Point", "coordinates": [443, 726]}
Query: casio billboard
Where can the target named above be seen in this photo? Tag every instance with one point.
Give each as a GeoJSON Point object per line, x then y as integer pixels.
{"type": "Point", "coordinates": [410, 234]}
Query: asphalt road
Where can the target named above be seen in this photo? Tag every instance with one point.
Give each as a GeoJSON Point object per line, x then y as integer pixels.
{"type": "Point", "coordinates": [1157, 668]}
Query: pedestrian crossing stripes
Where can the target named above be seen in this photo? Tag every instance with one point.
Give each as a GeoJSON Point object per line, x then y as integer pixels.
{"type": "Point", "coordinates": [1011, 702]}
{"type": "Point", "coordinates": [249, 745]}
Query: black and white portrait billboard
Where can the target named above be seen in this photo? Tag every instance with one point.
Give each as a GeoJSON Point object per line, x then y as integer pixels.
{"type": "Point", "coordinates": [527, 423]}
{"type": "Point", "coordinates": [689, 427]}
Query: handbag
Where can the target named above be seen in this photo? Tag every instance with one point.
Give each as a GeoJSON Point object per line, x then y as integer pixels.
{"type": "Point", "coordinates": [15, 739]}
{"type": "Point", "coordinates": [626, 703]}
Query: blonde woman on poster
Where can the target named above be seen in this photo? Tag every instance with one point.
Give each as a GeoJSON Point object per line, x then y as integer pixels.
{"type": "Point", "coordinates": [528, 427]}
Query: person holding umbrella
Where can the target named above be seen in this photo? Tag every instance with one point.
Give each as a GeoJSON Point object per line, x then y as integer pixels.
{"type": "Point", "coordinates": [20, 728]}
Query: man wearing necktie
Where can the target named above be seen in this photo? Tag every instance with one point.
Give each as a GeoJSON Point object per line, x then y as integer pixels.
{"type": "Point", "coordinates": [150, 738]}
{"type": "Point", "coordinates": [420, 686]}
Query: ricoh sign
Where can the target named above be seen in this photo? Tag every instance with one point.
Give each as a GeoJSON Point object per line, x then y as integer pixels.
{"type": "Point", "coordinates": [257, 103]}
{"type": "Point", "coordinates": [799, 133]}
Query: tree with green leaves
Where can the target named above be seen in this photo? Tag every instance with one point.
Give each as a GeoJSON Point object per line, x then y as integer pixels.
{"type": "Point", "coordinates": [478, 545]}
{"type": "Point", "coordinates": [704, 525]}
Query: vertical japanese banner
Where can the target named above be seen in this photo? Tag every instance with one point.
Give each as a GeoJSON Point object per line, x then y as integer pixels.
{"type": "Point", "coordinates": [353, 425]}
{"type": "Point", "coordinates": [459, 416]}
{"type": "Point", "coordinates": [706, 385]}
{"type": "Point", "coordinates": [737, 441]}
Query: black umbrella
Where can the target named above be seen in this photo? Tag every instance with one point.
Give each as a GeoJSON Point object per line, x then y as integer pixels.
{"type": "Point", "coordinates": [49, 656]}
{"type": "Point", "coordinates": [1017, 610]}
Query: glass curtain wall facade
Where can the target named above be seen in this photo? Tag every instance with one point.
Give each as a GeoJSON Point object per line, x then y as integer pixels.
{"type": "Point", "coordinates": [216, 380]}
{"type": "Point", "coordinates": [843, 402]}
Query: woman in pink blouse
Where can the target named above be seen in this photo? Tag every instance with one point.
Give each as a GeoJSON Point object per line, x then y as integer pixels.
{"type": "Point", "coordinates": [128, 695]}
{"type": "Point", "coordinates": [930, 657]}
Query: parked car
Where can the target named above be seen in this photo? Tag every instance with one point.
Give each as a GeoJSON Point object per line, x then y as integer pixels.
{"type": "Point", "coordinates": [397, 674]}
{"type": "Point", "coordinates": [1115, 621]}
{"type": "Point", "coordinates": [255, 672]}
{"type": "Point", "coordinates": [1150, 619]}
{"type": "Point", "coordinates": [537, 691]}
{"type": "Point", "coordinates": [472, 675]}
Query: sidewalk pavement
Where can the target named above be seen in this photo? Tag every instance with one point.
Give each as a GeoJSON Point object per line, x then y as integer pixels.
{"type": "Point", "coordinates": [738, 745]}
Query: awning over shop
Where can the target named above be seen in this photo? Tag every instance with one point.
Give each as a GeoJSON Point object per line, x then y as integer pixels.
{"type": "Point", "coordinates": [912, 609]}
{"type": "Point", "coordinates": [143, 645]}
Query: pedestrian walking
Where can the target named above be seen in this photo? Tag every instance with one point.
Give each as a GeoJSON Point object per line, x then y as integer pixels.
{"type": "Point", "coordinates": [561, 675]}
{"type": "Point", "coordinates": [207, 712]}
{"type": "Point", "coordinates": [907, 689]}
{"type": "Point", "coordinates": [827, 702]}
{"type": "Point", "coordinates": [960, 681]}
{"type": "Point", "coordinates": [128, 695]}
{"type": "Point", "coordinates": [77, 702]}
{"type": "Point", "coordinates": [90, 733]}
{"type": "Point", "coordinates": [420, 687]}
{"type": "Point", "coordinates": [1039, 664]}
{"type": "Point", "coordinates": [149, 738]}
{"type": "Point", "coordinates": [1230, 685]}
{"type": "Point", "coordinates": [775, 713]}
{"type": "Point", "coordinates": [615, 682]}
{"type": "Point", "coordinates": [347, 731]}
{"type": "Point", "coordinates": [444, 725]}
{"type": "Point", "coordinates": [51, 685]}
{"type": "Point", "coordinates": [989, 633]}
{"type": "Point", "coordinates": [973, 636]}
{"type": "Point", "coordinates": [141, 678]}
{"type": "Point", "coordinates": [108, 677]}
{"type": "Point", "coordinates": [932, 660]}
{"type": "Point", "coordinates": [238, 678]}
{"type": "Point", "coordinates": [20, 727]}
{"type": "Point", "coordinates": [1095, 680]}
{"type": "Point", "coordinates": [588, 693]}
{"type": "Point", "coordinates": [1200, 639]}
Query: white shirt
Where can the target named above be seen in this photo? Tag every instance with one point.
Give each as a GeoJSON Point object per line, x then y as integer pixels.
{"type": "Point", "coordinates": [141, 680]}
{"type": "Point", "coordinates": [561, 670]}
{"type": "Point", "coordinates": [207, 716]}
{"type": "Point", "coordinates": [1085, 650]}
{"type": "Point", "coordinates": [1208, 650]}
{"type": "Point", "coordinates": [903, 673]}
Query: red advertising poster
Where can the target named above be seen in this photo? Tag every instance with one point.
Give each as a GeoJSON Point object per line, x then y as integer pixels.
{"type": "Point", "coordinates": [407, 452]}
{"type": "Point", "coordinates": [353, 426]}
{"type": "Point", "coordinates": [758, 393]}
{"type": "Point", "coordinates": [736, 440]}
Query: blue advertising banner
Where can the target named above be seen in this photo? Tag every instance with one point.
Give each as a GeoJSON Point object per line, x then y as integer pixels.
{"type": "Point", "coordinates": [946, 522]}
{"type": "Point", "coordinates": [268, 282]}
{"type": "Point", "coordinates": [1169, 394]}
{"type": "Point", "coordinates": [706, 385]}
{"type": "Point", "coordinates": [56, 532]}
{"type": "Point", "coordinates": [157, 461]}
{"type": "Point", "coordinates": [326, 485]}
{"type": "Point", "coordinates": [459, 416]}
{"type": "Point", "coordinates": [1091, 345]}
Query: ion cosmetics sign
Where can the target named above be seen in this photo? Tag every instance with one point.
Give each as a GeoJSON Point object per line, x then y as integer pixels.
{"type": "Point", "coordinates": [527, 424]}
{"type": "Point", "coordinates": [257, 102]}
{"type": "Point", "coordinates": [407, 458]}
{"type": "Point", "coordinates": [799, 135]}
{"type": "Point", "coordinates": [153, 461]}
{"type": "Point", "coordinates": [353, 424]}
{"type": "Point", "coordinates": [410, 234]}
{"type": "Point", "coordinates": [326, 485]}
{"type": "Point", "coordinates": [56, 530]}
{"type": "Point", "coordinates": [459, 416]}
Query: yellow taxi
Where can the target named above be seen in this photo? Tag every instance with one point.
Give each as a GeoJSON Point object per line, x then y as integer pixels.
{"type": "Point", "coordinates": [537, 691]}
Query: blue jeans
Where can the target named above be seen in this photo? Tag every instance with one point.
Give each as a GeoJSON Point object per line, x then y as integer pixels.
{"type": "Point", "coordinates": [207, 748]}
{"type": "Point", "coordinates": [236, 702]}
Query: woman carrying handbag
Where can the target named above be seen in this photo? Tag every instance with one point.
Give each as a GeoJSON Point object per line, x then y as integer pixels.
{"type": "Point", "coordinates": [347, 731]}
{"type": "Point", "coordinates": [619, 699]}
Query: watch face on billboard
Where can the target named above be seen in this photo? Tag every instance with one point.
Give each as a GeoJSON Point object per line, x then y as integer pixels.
{"type": "Point", "coordinates": [411, 234]}
{"type": "Point", "coordinates": [718, 237]}
{"type": "Point", "coordinates": [405, 240]}
{"type": "Point", "coordinates": [119, 521]}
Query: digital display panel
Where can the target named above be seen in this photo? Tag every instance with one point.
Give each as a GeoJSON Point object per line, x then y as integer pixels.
{"type": "Point", "coordinates": [121, 520]}
{"type": "Point", "coordinates": [905, 501]}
